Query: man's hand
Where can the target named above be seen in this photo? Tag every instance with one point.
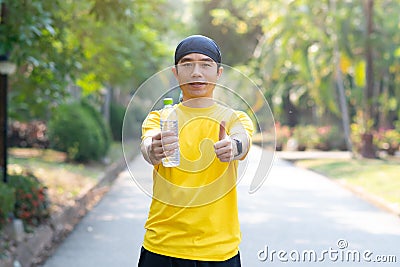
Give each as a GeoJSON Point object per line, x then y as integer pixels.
{"type": "Point", "coordinates": [225, 148]}
{"type": "Point", "coordinates": [162, 145]}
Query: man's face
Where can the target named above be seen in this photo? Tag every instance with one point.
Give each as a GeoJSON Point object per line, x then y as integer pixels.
{"type": "Point", "coordinates": [197, 75]}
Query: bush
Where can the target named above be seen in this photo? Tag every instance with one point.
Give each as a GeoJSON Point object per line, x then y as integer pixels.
{"type": "Point", "coordinates": [134, 119]}
{"type": "Point", "coordinates": [7, 203]}
{"type": "Point", "coordinates": [306, 136]}
{"type": "Point", "coordinates": [358, 129]}
{"type": "Point", "coordinates": [328, 138]}
{"type": "Point", "coordinates": [283, 134]}
{"type": "Point", "coordinates": [73, 129]}
{"type": "Point", "coordinates": [104, 127]}
{"type": "Point", "coordinates": [117, 113]}
{"type": "Point", "coordinates": [28, 134]}
{"type": "Point", "coordinates": [31, 202]}
{"type": "Point", "coordinates": [388, 140]}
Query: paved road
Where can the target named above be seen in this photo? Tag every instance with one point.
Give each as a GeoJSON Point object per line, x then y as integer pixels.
{"type": "Point", "coordinates": [296, 217]}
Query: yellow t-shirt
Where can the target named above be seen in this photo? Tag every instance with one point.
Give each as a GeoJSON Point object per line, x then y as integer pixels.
{"type": "Point", "coordinates": [194, 214]}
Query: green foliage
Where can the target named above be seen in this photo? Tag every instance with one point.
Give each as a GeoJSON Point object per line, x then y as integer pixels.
{"type": "Point", "coordinates": [117, 113]}
{"type": "Point", "coordinates": [312, 137]}
{"type": "Point", "coordinates": [234, 25]}
{"type": "Point", "coordinates": [122, 43]}
{"type": "Point", "coordinates": [388, 140]}
{"type": "Point", "coordinates": [73, 129]}
{"type": "Point", "coordinates": [104, 127]}
{"type": "Point", "coordinates": [89, 43]}
{"type": "Point", "coordinates": [329, 137]}
{"type": "Point", "coordinates": [133, 120]}
{"type": "Point", "coordinates": [358, 129]}
{"type": "Point", "coordinates": [306, 135]}
{"type": "Point", "coordinates": [34, 36]}
{"type": "Point", "coordinates": [295, 55]}
{"type": "Point", "coordinates": [7, 202]}
{"type": "Point", "coordinates": [31, 204]}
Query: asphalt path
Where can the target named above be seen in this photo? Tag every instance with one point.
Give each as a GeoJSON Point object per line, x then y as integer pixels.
{"type": "Point", "coordinates": [296, 218]}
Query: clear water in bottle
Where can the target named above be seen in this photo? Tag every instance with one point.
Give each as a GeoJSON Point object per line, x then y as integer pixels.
{"type": "Point", "coordinates": [169, 122]}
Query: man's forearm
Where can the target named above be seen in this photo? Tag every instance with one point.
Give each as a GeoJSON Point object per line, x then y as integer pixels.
{"type": "Point", "coordinates": [245, 140]}
{"type": "Point", "coordinates": [145, 147]}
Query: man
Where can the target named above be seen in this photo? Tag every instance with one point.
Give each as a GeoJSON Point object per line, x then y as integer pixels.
{"type": "Point", "coordinates": [193, 218]}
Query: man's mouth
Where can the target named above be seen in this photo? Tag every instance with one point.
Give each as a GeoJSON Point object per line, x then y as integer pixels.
{"type": "Point", "coordinates": [198, 84]}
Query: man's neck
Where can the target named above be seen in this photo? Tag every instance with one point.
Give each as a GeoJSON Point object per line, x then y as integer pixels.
{"type": "Point", "coordinates": [201, 102]}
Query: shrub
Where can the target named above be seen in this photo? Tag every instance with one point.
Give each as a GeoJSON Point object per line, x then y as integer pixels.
{"type": "Point", "coordinates": [134, 120]}
{"type": "Point", "coordinates": [104, 127]}
{"type": "Point", "coordinates": [328, 137]}
{"type": "Point", "coordinates": [31, 202]}
{"type": "Point", "coordinates": [306, 136]}
{"type": "Point", "coordinates": [388, 140]}
{"type": "Point", "coordinates": [282, 135]}
{"type": "Point", "coordinates": [73, 129]}
{"type": "Point", "coordinates": [7, 202]}
{"type": "Point", "coordinates": [358, 129]}
{"type": "Point", "coordinates": [28, 134]}
{"type": "Point", "coordinates": [117, 113]}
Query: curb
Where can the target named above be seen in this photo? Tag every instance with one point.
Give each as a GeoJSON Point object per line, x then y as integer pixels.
{"type": "Point", "coordinates": [36, 248]}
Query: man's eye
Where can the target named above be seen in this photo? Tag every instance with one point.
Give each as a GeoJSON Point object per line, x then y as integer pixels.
{"type": "Point", "coordinates": [187, 64]}
{"type": "Point", "coordinates": [206, 65]}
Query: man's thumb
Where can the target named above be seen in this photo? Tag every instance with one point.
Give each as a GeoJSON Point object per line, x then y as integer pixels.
{"type": "Point", "coordinates": [222, 132]}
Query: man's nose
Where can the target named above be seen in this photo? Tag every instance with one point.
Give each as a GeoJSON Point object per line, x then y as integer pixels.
{"type": "Point", "coordinates": [196, 70]}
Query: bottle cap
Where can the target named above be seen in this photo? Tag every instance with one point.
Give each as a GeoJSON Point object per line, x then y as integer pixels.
{"type": "Point", "coordinates": [168, 101]}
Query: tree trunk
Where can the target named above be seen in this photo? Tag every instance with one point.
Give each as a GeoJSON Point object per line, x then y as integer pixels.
{"type": "Point", "coordinates": [367, 149]}
{"type": "Point", "coordinates": [3, 126]}
{"type": "Point", "coordinates": [384, 109]}
{"type": "Point", "coordinates": [3, 109]}
{"type": "Point", "coordinates": [344, 110]}
{"type": "Point", "coordinates": [367, 146]}
{"type": "Point", "coordinates": [340, 87]}
{"type": "Point", "coordinates": [107, 102]}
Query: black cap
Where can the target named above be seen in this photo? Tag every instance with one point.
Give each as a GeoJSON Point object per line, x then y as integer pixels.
{"type": "Point", "coordinates": [198, 44]}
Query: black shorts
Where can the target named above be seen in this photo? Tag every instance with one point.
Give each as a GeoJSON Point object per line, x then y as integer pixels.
{"type": "Point", "coordinates": [150, 259]}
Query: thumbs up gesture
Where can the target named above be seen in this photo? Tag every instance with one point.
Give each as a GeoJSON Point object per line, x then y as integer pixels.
{"type": "Point", "coordinates": [222, 132]}
{"type": "Point", "coordinates": [224, 148]}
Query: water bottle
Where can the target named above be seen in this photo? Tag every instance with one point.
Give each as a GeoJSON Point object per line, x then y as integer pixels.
{"type": "Point", "coordinates": [169, 122]}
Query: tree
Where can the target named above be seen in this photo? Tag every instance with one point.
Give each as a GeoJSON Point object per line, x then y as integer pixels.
{"type": "Point", "coordinates": [340, 85]}
{"type": "Point", "coordinates": [234, 25]}
{"type": "Point", "coordinates": [33, 37]}
{"type": "Point", "coordinates": [307, 49]}
{"type": "Point", "coordinates": [91, 43]}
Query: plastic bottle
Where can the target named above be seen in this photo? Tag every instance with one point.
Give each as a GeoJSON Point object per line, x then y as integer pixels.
{"type": "Point", "coordinates": [169, 122]}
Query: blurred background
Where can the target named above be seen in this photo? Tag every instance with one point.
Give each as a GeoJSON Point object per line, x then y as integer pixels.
{"type": "Point", "coordinates": [330, 71]}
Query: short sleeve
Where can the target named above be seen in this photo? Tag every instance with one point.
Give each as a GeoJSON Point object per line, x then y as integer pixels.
{"type": "Point", "coordinates": [151, 125]}
{"type": "Point", "coordinates": [241, 123]}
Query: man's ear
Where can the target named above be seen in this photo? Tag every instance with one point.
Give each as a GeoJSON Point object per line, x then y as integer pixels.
{"type": "Point", "coordinates": [175, 71]}
{"type": "Point", "coordinates": [219, 73]}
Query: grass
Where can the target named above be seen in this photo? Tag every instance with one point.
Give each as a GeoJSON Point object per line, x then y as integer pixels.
{"type": "Point", "coordinates": [378, 177]}
{"type": "Point", "coordinates": [65, 180]}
